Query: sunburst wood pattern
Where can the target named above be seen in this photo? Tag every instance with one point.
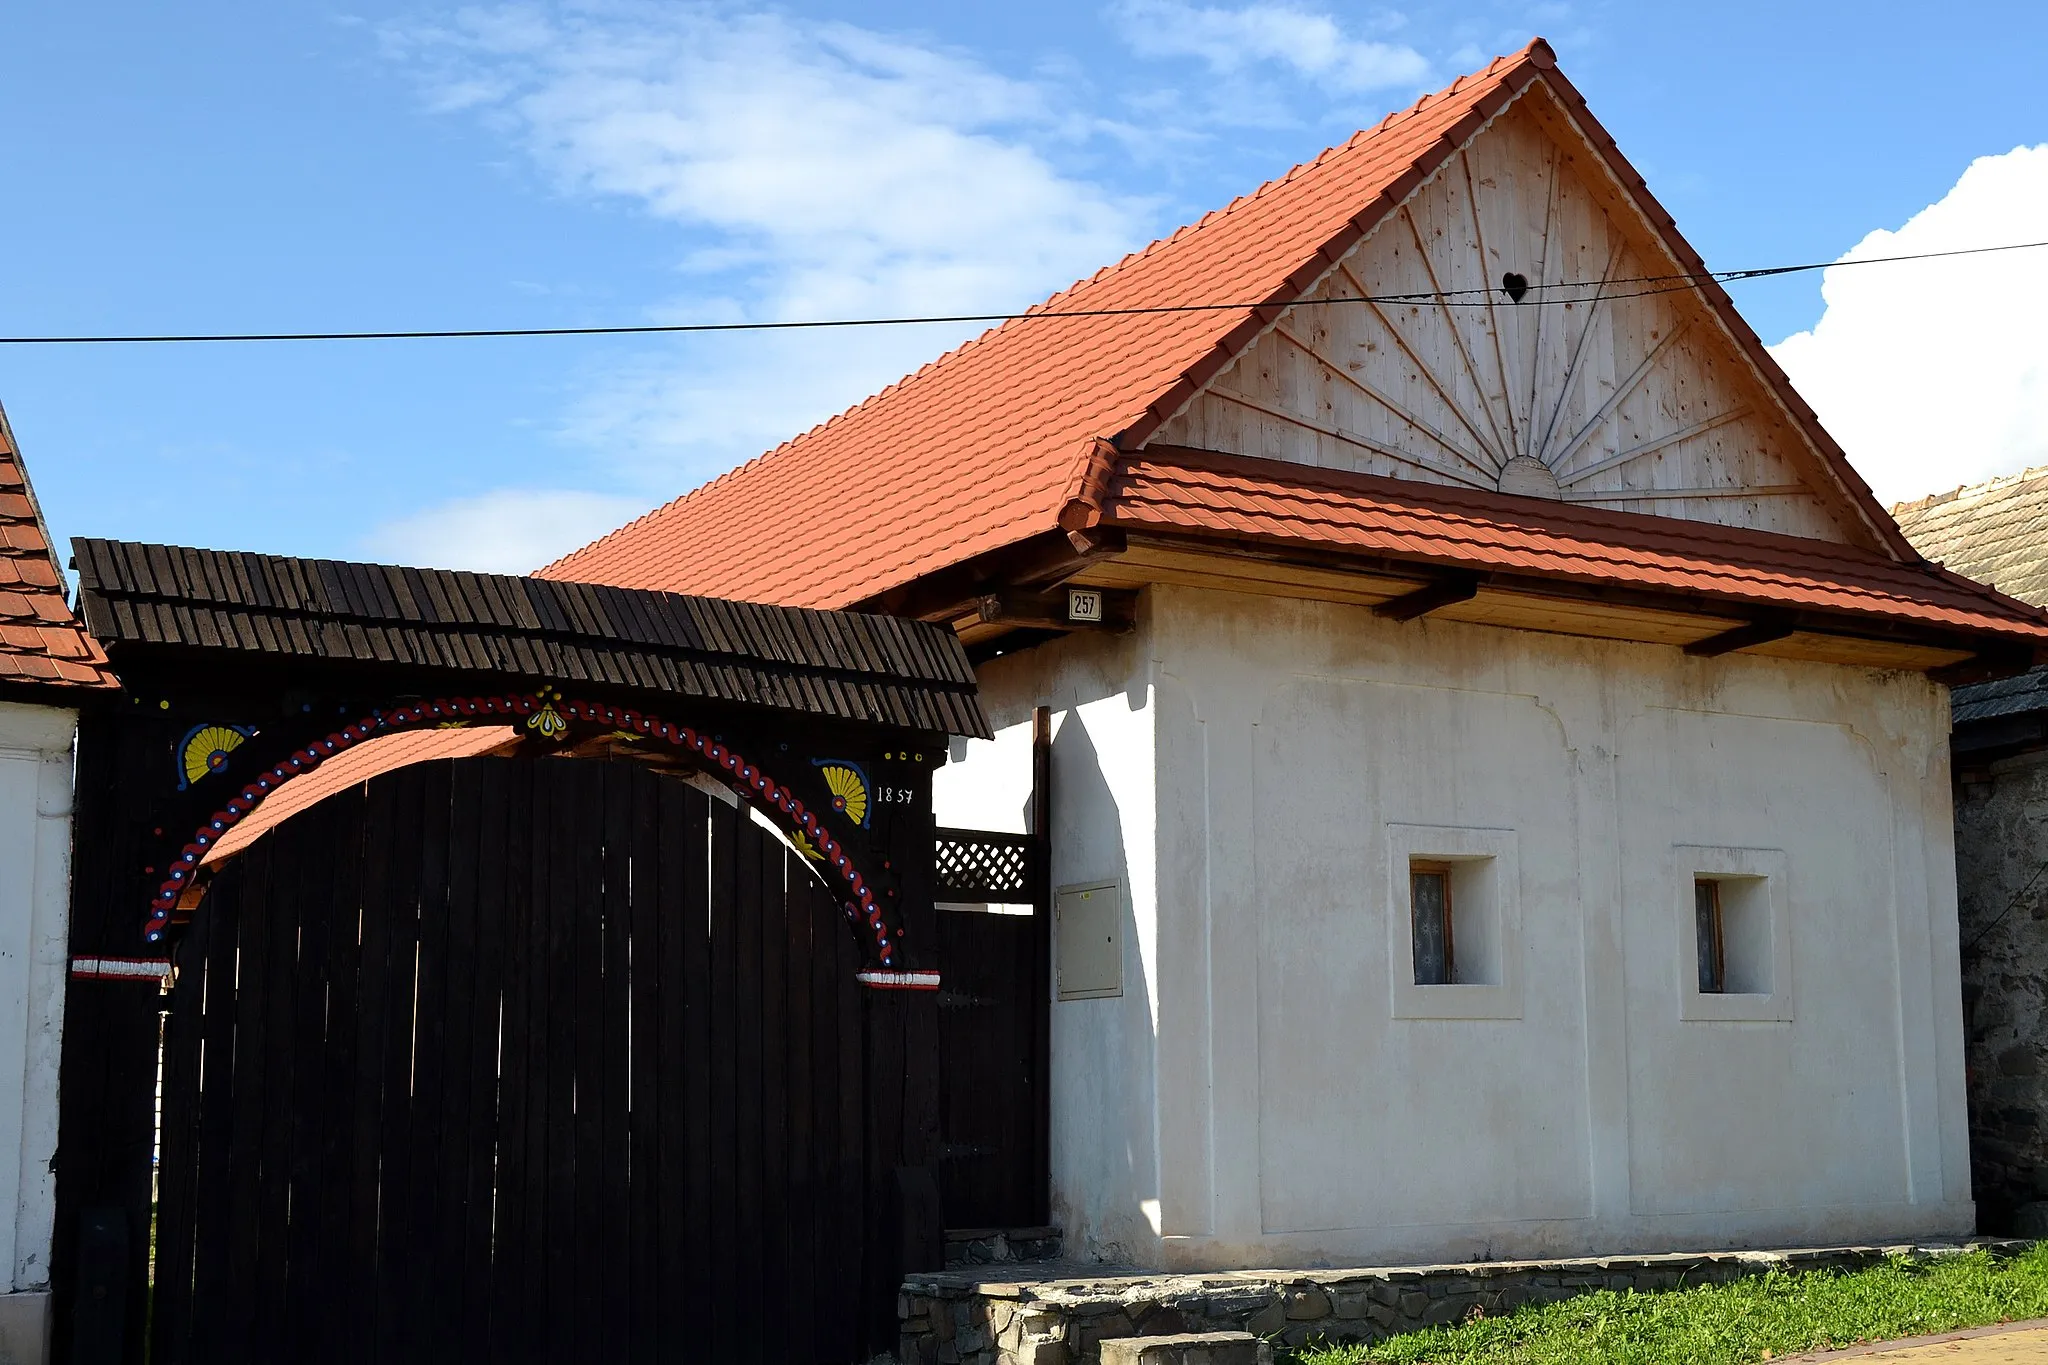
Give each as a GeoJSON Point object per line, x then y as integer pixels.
{"type": "Point", "coordinates": [1627, 399]}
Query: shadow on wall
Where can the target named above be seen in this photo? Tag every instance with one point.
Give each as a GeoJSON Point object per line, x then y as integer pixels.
{"type": "Point", "coordinates": [1104, 1172]}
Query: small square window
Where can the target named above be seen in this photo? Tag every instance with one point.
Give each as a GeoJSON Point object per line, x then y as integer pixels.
{"type": "Point", "coordinates": [1429, 902]}
{"type": "Point", "coordinates": [1455, 924]}
{"type": "Point", "coordinates": [1735, 935]}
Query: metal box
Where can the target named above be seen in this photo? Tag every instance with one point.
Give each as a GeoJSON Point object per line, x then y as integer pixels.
{"type": "Point", "coordinates": [1088, 934]}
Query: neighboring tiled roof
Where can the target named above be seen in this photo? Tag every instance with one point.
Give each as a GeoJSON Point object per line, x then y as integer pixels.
{"type": "Point", "coordinates": [1994, 532]}
{"type": "Point", "coordinates": [852, 667]}
{"type": "Point", "coordinates": [983, 448]}
{"type": "Point", "coordinates": [42, 646]}
{"type": "Point", "coordinates": [1170, 489]}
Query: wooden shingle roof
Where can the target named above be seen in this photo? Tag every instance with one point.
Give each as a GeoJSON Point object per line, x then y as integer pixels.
{"type": "Point", "coordinates": [831, 664]}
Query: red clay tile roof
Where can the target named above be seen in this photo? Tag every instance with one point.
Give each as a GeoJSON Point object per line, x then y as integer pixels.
{"type": "Point", "coordinates": [1167, 489]}
{"type": "Point", "coordinates": [985, 446]}
{"type": "Point", "coordinates": [42, 646]}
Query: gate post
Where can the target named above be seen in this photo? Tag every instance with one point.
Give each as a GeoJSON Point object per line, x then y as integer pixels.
{"type": "Point", "coordinates": [1041, 962]}
{"type": "Point", "coordinates": [106, 1117]}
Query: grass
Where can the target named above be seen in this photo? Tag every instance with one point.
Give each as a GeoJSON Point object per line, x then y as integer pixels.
{"type": "Point", "coordinates": [1731, 1324]}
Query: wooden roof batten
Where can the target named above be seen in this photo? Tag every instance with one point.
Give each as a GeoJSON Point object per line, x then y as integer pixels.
{"type": "Point", "coordinates": [160, 602]}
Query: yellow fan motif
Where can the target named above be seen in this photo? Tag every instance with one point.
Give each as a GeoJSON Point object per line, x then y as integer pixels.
{"type": "Point", "coordinates": [805, 846]}
{"type": "Point", "coordinates": [206, 750]}
{"type": "Point", "coordinates": [849, 791]}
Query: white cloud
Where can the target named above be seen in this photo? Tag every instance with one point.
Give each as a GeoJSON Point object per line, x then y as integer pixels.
{"type": "Point", "coordinates": [1935, 373]}
{"type": "Point", "coordinates": [1232, 42]}
{"type": "Point", "coordinates": [512, 530]}
{"type": "Point", "coordinates": [815, 169]}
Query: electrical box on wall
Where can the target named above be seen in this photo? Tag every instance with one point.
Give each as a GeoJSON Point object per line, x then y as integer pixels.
{"type": "Point", "coordinates": [1088, 932]}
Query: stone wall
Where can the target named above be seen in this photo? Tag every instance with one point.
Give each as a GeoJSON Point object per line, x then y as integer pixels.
{"type": "Point", "coordinates": [2001, 854]}
{"type": "Point", "coordinates": [1061, 1315]}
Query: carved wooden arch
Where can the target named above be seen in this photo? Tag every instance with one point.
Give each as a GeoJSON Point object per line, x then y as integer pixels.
{"type": "Point", "coordinates": [298, 751]}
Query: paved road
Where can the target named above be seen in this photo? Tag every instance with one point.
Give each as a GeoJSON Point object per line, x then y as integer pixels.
{"type": "Point", "coordinates": [2020, 1343]}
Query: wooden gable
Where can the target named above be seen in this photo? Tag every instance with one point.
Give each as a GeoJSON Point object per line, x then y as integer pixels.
{"type": "Point", "coordinates": [1631, 396]}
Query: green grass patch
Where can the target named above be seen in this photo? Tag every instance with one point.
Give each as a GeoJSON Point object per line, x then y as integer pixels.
{"type": "Point", "coordinates": [1754, 1319]}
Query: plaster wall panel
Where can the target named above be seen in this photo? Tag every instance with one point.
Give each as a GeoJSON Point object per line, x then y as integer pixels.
{"type": "Point", "coordinates": [1366, 1118]}
{"type": "Point", "coordinates": [1731, 1114]}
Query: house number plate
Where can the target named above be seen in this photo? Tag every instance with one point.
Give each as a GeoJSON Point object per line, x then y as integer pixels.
{"type": "Point", "coordinates": [1084, 604]}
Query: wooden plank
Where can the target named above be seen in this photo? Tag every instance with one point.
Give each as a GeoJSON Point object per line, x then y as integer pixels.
{"type": "Point", "coordinates": [399, 1256]}
{"type": "Point", "coordinates": [730, 1270]}
{"type": "Point", "coordinates": [683, 1095]}
{"type": "Point", "coordinates": [332, 1209]}
{"type": "Point", "coordinates": [1816, 647]}
{"type": "Point", "coordinates": [624, 784]}
{"type": "Point", "coordinates": [585, 834]}
{"type": "Point", "coordinates": [455, 1320]}
{"type": "Point", "coordinates": [835, 1243]}
{"type": "Point", "coordinates": [1621, 495]}
{"type": "Point", "coordinates": [426, 1300]}
{"type": "Point", "coordinates": [253, 983]}
{"type": "Point", "coordinates": [771, 930]}
{"type": "Point", "coordinates": [215, 1176]}
{"type": "Point", "coordinates": [1651, 447]}
{"type": "Point", "coordinates": [520, 1074]}
{"type": "Point", "coordinates": [1600, 620]}
{"type": "Point", "coordinates": [649, 1179]}
{"type": "Point", "coordinates": [489, 786]}
{"type": "Point", "coordinates": [357, 1327]}
{"type": "Point", "coordinates": [558, 1176]}
{"type": "Point", "coordinates": [290, 879]}
{"type": "Point", "coordinates": [802, 1268]}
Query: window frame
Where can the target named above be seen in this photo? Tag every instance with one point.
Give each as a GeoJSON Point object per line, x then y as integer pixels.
{"type": "Point", "coordinates": [1768, 873]}
{"type": "Point", "coordinates": [1488, 860]}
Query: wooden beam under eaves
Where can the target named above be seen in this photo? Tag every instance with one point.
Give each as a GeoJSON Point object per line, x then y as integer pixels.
{"type": "Point", "coordinates": [1443, 592]}
{"type": "Point", "coordinates": [1982, 667]}
{"type": "Point", "coordinates": [1067, 608]}
{"type": "Point", "coordinates": [1758, 632]}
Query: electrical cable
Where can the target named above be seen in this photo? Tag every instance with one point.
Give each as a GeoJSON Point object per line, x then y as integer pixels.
{"type": "Point", "coordinates": [1589, 290]}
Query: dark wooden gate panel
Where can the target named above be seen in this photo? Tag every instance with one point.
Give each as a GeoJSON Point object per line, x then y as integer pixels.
{"type": "Point", "coordinates": [988, 1164]}
{"type": "Point", "coordinates": [518, 1059]}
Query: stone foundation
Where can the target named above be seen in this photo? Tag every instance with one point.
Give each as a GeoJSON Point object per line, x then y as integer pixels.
{"type": "Point", "coordinates": [1060, 1314]}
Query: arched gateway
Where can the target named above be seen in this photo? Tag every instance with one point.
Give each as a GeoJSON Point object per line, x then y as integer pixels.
{"type": "Point", "coordinates": [483, 1055]}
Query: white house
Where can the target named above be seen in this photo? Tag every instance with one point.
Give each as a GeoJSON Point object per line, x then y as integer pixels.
{"type": "Point", "coordinates": [48, 668]}
{"type": "Point", "coordinates": [1516, 817]}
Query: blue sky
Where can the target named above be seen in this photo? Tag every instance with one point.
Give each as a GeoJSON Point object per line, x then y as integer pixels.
{"type": "Point", "coordinates": [296, 165]}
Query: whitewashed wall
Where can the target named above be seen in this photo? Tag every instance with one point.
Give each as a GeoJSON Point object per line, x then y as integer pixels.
{"type": "Point", "coordinates": [1256, 1098]}
{"type": "Point", "coordinates": [35, 860]}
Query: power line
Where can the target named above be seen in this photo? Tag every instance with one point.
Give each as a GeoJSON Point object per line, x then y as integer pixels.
{"type": "Point", "coordinates": [1533, 294]}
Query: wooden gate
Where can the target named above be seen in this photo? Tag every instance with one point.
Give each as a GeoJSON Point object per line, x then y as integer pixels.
{"type": "Point", "coordinates": [509, 1059]}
